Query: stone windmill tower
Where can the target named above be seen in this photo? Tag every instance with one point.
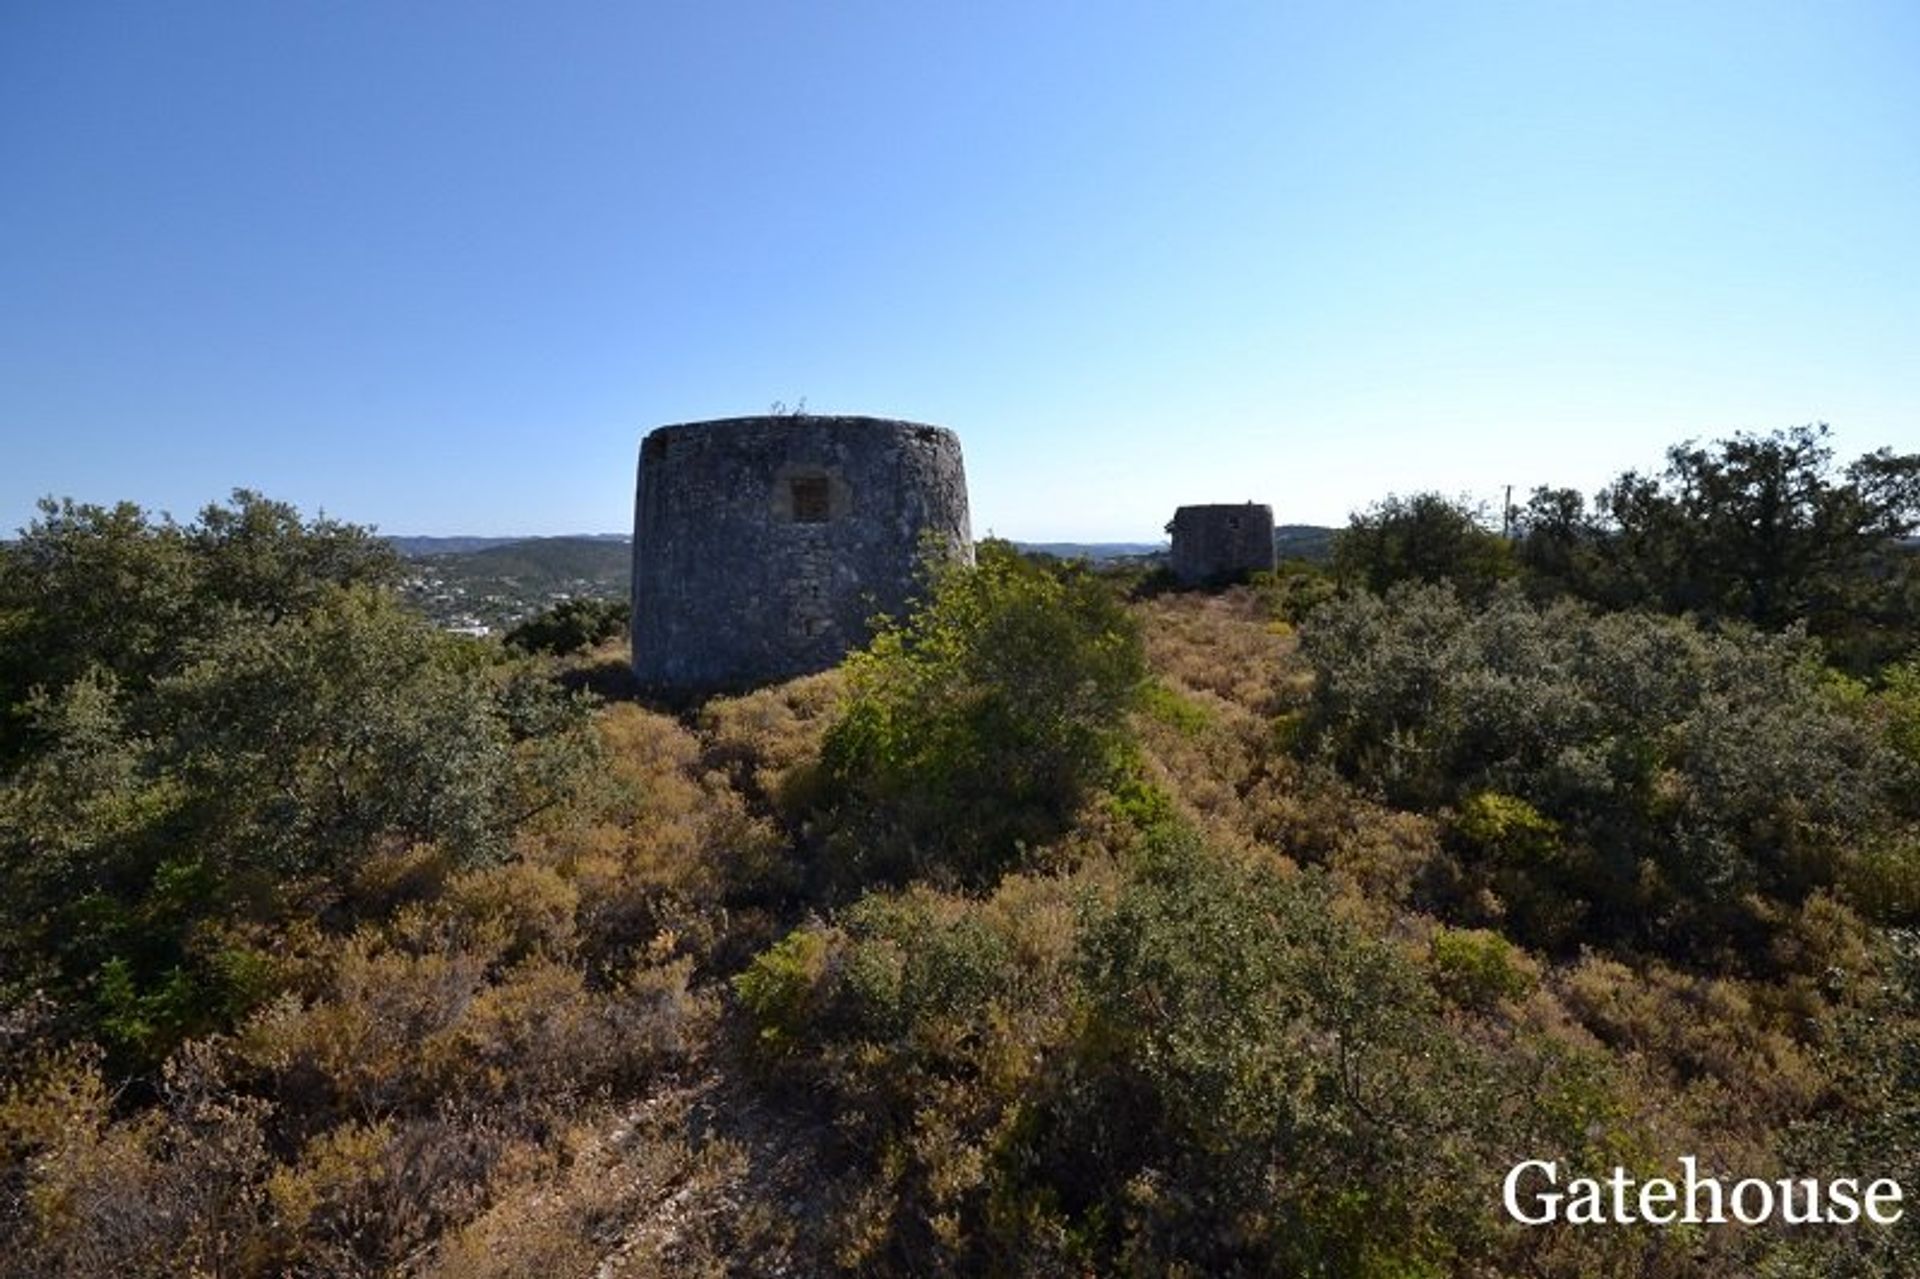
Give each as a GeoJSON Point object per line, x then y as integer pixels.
{"type": "Point", "coordinates": [1217, 544]}
{"type": "Point", "coordinates": [762, 546]}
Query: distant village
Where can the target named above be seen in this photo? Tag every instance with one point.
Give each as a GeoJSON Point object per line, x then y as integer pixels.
{"type": "Point", "coordinates": [470, 585]}
{"type": "Point", "coordinates": [471, 592]}
{"type": "Point", "coordinates": [486, 586]}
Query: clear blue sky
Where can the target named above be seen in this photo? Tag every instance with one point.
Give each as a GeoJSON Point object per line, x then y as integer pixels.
{"type": "Point", "coordinates": [438, 266]}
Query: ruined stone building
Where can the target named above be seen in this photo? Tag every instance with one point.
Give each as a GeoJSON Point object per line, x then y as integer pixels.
{"type": "Point", "coordinates": [1213, 545]}
{"type": "Point", "coordinates": [762, 546]}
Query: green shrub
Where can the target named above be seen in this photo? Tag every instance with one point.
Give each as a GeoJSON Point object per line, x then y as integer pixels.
{"type": "Point", "coordinates": [1516, 867]}
{"type": "Point", "coordinates": [1671, 778]}
{"type": "Point", "coordinates": [1292, 591]}
{"type": "Point", "coordinates": [1872, 1121]}
{"type": "Point", "coordinates": [1506, 828]}
{"type": "Point", "coordinates": [1182, 714]}
{"type": "Point", "coordinates": [1900, 703]}
{"type": "Point", "coordinates": [1478, 969]}
{"type": "Point", "coordinates": [232, 750]}
{"type": "Point", "coordinates": [978, 726]}
{"type": "Point", "coordinates": [1423, 538]}
{"type": "Point", "coordinates": [1265, 1063]}
{"type": "Point", "coordinates": [570, 627]}
{"type": "Point", "coordinates": [780, 990]}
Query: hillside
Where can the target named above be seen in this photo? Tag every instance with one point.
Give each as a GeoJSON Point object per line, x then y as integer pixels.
{"type": "Point", "coordinates": [859, 1070]}
{"type": "Point", "coordinates": [498, 585]}
{"type": "Point", "coordinates": [1076, 927]}
{"type": "Point", "coordinates": [1309, 542]}
{"type": "Point", "coordinates": [414, 547]}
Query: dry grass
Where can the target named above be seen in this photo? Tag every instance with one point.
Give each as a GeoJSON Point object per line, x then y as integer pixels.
{"type": "Point", "coordinates": [697, 1179]}
{"type": "Point", "coordinates": [1218, 733]}
{"type": "Point", "coordinates": [1226, 646]}
{"type": "Point", "coordinates": [766, 741]}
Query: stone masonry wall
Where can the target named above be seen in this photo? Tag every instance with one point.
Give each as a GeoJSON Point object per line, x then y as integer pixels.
{"type": "Point", "coordinates": [762, 545]}
{"type": "Point", "coordinates": [1214, 544]}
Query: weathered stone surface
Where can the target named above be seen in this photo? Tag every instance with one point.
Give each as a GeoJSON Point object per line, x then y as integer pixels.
{"type": "Point", "coordinates": [1215, 544]}
{"type": "Point", "coordinates": [762, 546]}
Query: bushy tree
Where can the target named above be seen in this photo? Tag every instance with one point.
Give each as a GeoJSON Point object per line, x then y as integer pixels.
{"type": "Point", "coordinates": [263, 557]}
{"type": "Point", "coordinates": [1422, 538]}
{"type": "Point", "coordinates": [1766, 529]}
{"type": "Point", "coordinates": [570, 626]}
{"type": "Point", "coordinates": [110, 588]}
{"type": "Point", "coordinates": [253, 721]}
{"type": "Point", "coordinates": [1557, 543]}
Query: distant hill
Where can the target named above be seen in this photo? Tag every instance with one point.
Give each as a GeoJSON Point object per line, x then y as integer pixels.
{"type": "Point", "coordinates": [502, 580]}
{"type": "Point", "coordinates": [550, 559]}
{"type": "Point", "coordinates": [414, 547]}
{"type": "Point", "coordinates": [1095, 551]}
{"type": "Point", "coordinates": [490, 583]}
{"type": "Point", "coordinates": [1309, 542]}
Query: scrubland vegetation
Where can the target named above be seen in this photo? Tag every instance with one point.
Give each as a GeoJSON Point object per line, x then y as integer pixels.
{"type": "Point", "coordinates": [1062, 932]}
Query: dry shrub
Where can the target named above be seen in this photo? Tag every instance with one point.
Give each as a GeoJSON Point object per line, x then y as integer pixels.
{"type": "Point", "coordinates": [605, 670]}
{"type": "Point", "coordinates": [367, 1198]}
{"type": "Point", "coordinates": [358, 1048]}
{"type": "Point", "coordinates": [926, 1020]}
{"type": "Point", "coordinates": [170, 1190]}
{"type": "Point", "coordinates": [1826, 954]}
{"type": "Point", "coordinates": [1206, 726]}
{"type": "Point", "coordinates": [765, 741]}
{"type": "Point", "coordinates": [664, 847]}
{"type": "Point", "coordinates": [516, 910]}
{"type": "Point", "coordinates": [1695, 1028]}
{"type": "Point", "coordinates": [1394, 859]}
{"type": "Point", "coordinates": [553, 1222]}
{"type": "Point", "coordinates": [1225, 645]}
{"type": "Point", "coordinates": [537, 1035]}
{"type": "Point", "coordinates": [401, 1032]}
{"type": "Point", "coordinates": [688, 1182]}
{"type": "Point", "coordinates": [1205, 751]}
{"type": "Point", "coordinates": [1884, 881]}
{"type": "Point", "coordinates": [414, 1067]}
{"type": "Point", "coordinates": [396, 875]}
{"type": "Point", "coordinates": [1217, 734]}
{"type": "Point", "coordinates": [445, 1077]}
{"type": "Point", "coordinates": [1390, 856]}
{"type": "Point", "coordinates": [652, 791]}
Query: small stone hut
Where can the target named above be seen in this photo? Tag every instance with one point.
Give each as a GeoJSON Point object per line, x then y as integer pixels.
{"type": "Point", "coordinates": [762, 546]}
{"type": "Point", "coordinates": [1213, 545]}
